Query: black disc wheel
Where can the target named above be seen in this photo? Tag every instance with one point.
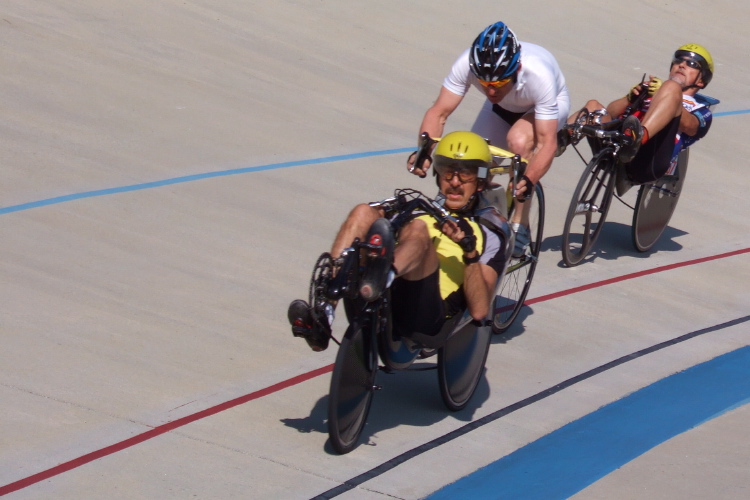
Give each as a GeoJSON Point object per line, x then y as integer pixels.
{"type": "Point", "coordinates": [352, 388]}
{"type": "Point", "coordinates": [588, 208]}
{"type": "Point", "coordinates": [655, 205]}
{"type": "Point", "coordinates": [461, 364]}
{"type": "Point", "coordinates": [520, 270]}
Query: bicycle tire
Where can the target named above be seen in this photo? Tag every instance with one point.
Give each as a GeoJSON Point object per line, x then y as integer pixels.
{"type": "Point", "coordinates": [655, 205]}
{"type": "Point", "coordinates": [396, 353]}
{"type": "Point", "coordinates": [588, 208]}
{"type": "Point", "coordinates": [520, 271]}
{"type": "Point", "coordinates": [461, 362]}
{"type": "Point", "coordinates": [352, 388]}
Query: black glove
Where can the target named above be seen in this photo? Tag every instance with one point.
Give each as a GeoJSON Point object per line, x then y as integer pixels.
{"type": "Point", "coordinates": [469, 242]}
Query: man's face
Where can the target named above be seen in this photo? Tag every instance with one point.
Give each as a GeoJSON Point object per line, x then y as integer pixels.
{"type": "Point", "coordinates": [495, 94]}
{"type": "Point", "coordinates": [457, 192]}
{"type": "Point", "coordinates": [686, 72]}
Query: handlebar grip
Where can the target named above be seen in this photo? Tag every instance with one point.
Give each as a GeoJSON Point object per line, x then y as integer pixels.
{"type": "Point", "coordinates": [423, 152]}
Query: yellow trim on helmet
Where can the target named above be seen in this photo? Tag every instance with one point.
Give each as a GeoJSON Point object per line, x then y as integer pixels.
{"type": "Point", "coordinates": [701, 51]}
{"type": "Point", "coordinates": [464, 146]}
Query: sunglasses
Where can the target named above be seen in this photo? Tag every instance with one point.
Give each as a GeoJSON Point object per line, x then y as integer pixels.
{"type": "Point", "coordinates": [691, 63]}
{"type": "Point", "coordinates": [448, 172]}
{"type": "Point", "coordinates": [497, 84]}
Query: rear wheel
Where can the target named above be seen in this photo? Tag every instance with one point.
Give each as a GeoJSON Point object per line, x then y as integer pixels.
{"type": "Point", "coordinates": [461, 363]}
{"type": "Point", "coordinates": [655, 205]}
{"type": "Point", "coordinates": [588, 208]}
{"type": "Point", "coordinates": [520, 270]}
{"type": "Point", "coordinates": [352, 388]}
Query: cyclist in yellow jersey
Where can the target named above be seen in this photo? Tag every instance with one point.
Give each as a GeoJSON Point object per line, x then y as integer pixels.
{"type": "Point", "coordinates": [432, 276]}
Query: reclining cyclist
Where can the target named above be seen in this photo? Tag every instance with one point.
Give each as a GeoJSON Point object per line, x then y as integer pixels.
{"type": "Point", "coordinates": [670, 119]}
{"type": "Point", "coordinates": [436, 272]}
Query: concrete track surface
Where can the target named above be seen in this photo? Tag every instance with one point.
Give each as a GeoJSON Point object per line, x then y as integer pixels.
{"type": "Point", "coordinates": [169, 172]}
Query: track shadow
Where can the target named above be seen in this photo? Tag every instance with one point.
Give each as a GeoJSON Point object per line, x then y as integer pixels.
{"type": "Point", "coordinates": [516, 329]}
{"type": "Point", "coordinates": [616, 241]}
{"type": "Point", "coordinates": [406, 398]}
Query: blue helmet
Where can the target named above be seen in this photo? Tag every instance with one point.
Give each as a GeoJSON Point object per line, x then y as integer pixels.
{"type": "Point", "coordinates": [495, 54]}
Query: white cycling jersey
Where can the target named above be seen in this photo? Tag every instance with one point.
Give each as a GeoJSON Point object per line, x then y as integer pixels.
{"type": "Point", "coordinates": [540, 85]}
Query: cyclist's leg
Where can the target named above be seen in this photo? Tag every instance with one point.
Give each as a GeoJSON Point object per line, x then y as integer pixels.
{"type": "Point", "coordinates": [489, 125]}
{"type": "Point", "coordinates": [415, 257]}
{"type": "Point", "coordinates": [313, 321]}
{"type": "Point", "coordinates": [654, 157]}
{"type": "Point", "coordinates": [591, 106]}
{"type": "Point", "coordinates": [665, 106]}
{"type": "Point", "coordinates": [521, 140]}
{"type": "Point", "coordinates": [356, 225]}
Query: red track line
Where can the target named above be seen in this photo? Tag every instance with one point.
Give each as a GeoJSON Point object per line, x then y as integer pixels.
{"type": "Point", "coordinates": [156, 431]}
{"type": "Point", "coordinates": [170, 426]}
{"type": "Point", "coordinates": [597, 284]}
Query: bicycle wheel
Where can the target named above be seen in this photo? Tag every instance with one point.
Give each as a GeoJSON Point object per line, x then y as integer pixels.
{"type": "Point", "coordinates": [461, 363]}
{"type": "Point", "coordinates": [588, 208]}
{"type": "Point", "coordinates": [352, 388]}
{"type": "Point", "coordinates": [520, 271]}
{"type": "Point", "coordinates": [396, 352]}
{"type": "Point", "coordinates": [655, 205]}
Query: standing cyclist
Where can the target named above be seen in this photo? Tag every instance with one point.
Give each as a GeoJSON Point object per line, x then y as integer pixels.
{"type": "Point", "coordinates": [670, 120]}
{"type": "Point", "coordinates": [527, 103]}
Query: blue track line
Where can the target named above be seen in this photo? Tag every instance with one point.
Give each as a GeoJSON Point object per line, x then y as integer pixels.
{"type": "Point", "coordinates": [575, 456]}
{"type": "Point", "coordinates": [196, 177]}
{"type": "Point", "coordinates": [223, 173]}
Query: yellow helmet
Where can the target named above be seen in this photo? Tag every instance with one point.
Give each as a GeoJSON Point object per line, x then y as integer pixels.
{"type": "Point", "coordinates": [700, 55]}
{"type": "Point", "coordinates": [465, 150]}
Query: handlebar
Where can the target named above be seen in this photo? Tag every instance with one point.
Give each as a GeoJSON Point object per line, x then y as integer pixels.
{"type": "Point", "coordinates": [609, 131]}
{"type": "Point", "coordinates": [406, 201]}
{"type": "Point", "coordinates": [636, 104]}
{"type": "Point", "coordinates": [423, 151]}
{"type": "Point", "coordinates": [400, 207]}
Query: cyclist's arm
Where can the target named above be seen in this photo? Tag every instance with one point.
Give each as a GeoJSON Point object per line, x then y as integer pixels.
{"type": "Point", "coordinates": [617, 107]}
{"type": "Point", "coordinates": [695, 123]}
{"type": "Point", "coordinates": [435, 117]}
{"type": "Point", "coordinates": [434, 122]}
{"type": "Point", "coordinates": [479, 278]}
{"type": "Point", "coordinates": [479, 287]}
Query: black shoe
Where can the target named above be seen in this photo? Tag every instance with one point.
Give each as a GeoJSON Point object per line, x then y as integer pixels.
{"type": "Point", "coordinates": [563, 140]}
{"type": "Point", "coordinates": [633, 131]}
{"type": "Point", "coordinates": [316, 333]}
{"type": "Point", "coordinates": [378, 251]}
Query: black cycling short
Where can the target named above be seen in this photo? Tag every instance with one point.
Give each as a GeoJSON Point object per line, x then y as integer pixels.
{"type": "Point", "coordinates": [416, 306]}
{"type": "Point", "coordinates": [654, 157]}
{"type": "Point", "coordinates": [510, 117]}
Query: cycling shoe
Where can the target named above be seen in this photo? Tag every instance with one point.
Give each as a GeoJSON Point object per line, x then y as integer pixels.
{"type": "Point", "coordinates": [316, 333]}
{"type": "Point", "coordinates": [378, 251]}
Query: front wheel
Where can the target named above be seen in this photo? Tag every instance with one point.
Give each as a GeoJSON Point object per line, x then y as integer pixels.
{"type": "Point", "coordinates": [588, 208]}
{"type": "Point", "coordinates": [352, 388]}
{"type": "Point", "coordinates": [520, 270]}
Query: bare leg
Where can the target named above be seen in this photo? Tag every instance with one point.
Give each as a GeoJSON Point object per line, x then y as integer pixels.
{"type": "Point", "coordinates": [355, 226]}
{"type": "Point", "coordinates": [415, 258]}
{"type": "Point", "coordinates": [591, 106]}
{"type": "Point", "coordinates": [521, 141]}
{"type": "Point", "coordinates": [665, 106]}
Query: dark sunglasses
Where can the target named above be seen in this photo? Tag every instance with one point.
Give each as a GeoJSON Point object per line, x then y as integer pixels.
{"type": "Point", "coordinates": [465, 174]}
{"type": "Point", "coordinates": [692, 63]}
